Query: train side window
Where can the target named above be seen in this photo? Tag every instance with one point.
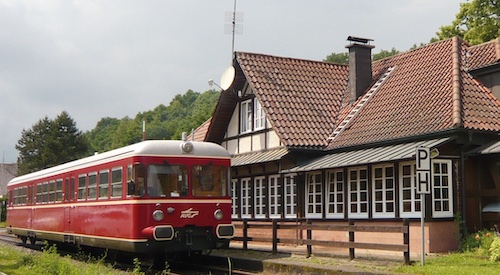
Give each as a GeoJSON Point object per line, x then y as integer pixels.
{"type": "Point", "coordinates": [103, 184]}
{"type": "Point", "coordinates": [136, 175]}
{"type": "Point", "coordinates": [167, 180]}
{"type": "Point", "coordinates": [59, 194]}
{"type": "Point", "coordinates": [52, 191]}
{"type": "Point", "coordinates": [16, 196]}
{"type": "Point", "coordinates": [116, 182]}
{"type": "Point", "coordinates": [92, 186]}
{"type": "Point", "coordinates": [82, 187]}
{"type": "Point", "coordinates": [39, 193]}
{"type": "Point", "coordinates": [10, 196]}
{"type": "Point", "coordinates": [45, 189]}
{"type": "Point", "coordinates": [209, 180]}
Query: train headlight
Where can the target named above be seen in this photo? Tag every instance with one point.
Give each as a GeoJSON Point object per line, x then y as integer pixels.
{"type": "Point", "coordinates": [218, 214]}
{"type": "Point", "coordinates": [158, 215]}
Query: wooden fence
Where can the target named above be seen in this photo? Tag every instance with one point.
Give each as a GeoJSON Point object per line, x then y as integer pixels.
{"type": "Point", "coordinates": [309, 227]}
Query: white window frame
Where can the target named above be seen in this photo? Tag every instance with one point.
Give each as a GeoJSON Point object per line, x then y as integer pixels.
{"type": "Point", "coordinates": [82, 189]}
{"type": "Point", "coordinates": [246, 116]}
{"type": "Point", "coordinates": [259, 115]}
{"type": "Point", "coordinates": [314, 195]}
{"type": "Point", "coordinates": [383, 186]}
{"type": "Point", "coordinates": [358, 188]}
{"type": "Point", "coordinates": [245, 198]}
{"type": "Point", "coordinates": [116, 185]}
{"type": "Point", "coordinates": [290, 189]}
{"type": "Point", "coordinates": [442, 193]}
{"type": "Point", "coordinates": [259, 197]}
{"type": "Point", "coordinates": [234, 198]}
{"type": "Point", "coordinates": [335, 194]}
{"type": "Point", "coordinates": [274, 197]}
{"type": "Point", "coordinates": [411, 187]}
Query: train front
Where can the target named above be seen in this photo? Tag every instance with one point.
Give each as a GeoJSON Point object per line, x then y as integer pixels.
{"type": "Point", "coordinates": [185, 203]}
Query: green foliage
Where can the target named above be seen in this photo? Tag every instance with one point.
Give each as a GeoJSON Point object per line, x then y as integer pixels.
{"type": "Point", "coordinates": [339, 58]}
{"type": "Point", "coordinates": [17, 262]}
{"type": "Point", "coordinates": [383, 54]}
{"type": "Point", "coordinates": [137, 267]}
{"type": "Point", "coordinates": [343, 58]}
{"type": "Point", "coordinates": [99, 136]}
{"type": "Point", "coordinates": [49, 143]}
{"type": "Point", "coordinates": [478, 21]}
{"type": "Point", "coordinates": [479, 242]}
{"type": "Point", "coordinates": [495, 250]}
{"type": "Point", "coordinates": [184, 113]}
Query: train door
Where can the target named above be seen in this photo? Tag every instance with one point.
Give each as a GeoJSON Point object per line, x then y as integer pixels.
{"type": "Point", "coordinates": [69, 196]}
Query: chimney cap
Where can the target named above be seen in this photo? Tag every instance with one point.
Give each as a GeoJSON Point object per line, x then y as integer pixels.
{"type": "Point", "coordinates": [359, 39]}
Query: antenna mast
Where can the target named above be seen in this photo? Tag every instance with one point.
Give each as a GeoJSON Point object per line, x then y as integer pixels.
{"type": "Point", "coordinates": [234, 28]}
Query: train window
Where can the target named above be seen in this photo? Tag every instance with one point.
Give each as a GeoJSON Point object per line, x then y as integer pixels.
{"type": "Point", "coordinates": [103, 184]}
{"type": "Point", "coordinates": [59, 194]}
{"type": "Point", "coordinates": [116, 182]}
{"type": "Point", "coordinates": [39, 193]}
{"type": "Point", "coordinates": [209, 180]}
{"type": "Point", "coordinates": [82, 187]}
{"type": "Point", "coordinates": [92, 186]}
{"type": "Point", "coordinates": [135, 180]}
{"type": "Point", "coordinates": [11, 200]}
{"type": "Point", "coordinates": [52, 191]}
{"type": "Point", "coordinates": [16, 196]}
{"type": "Point", "coordinates": [45, 188]}
{"type": "Point", "coordinates": [167, 180]}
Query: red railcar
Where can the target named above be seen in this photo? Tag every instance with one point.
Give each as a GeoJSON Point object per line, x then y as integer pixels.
{"type": "Point", "coordinates": [150, 197]}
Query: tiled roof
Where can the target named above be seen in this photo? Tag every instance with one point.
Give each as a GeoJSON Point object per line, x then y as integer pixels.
{"type": "Point", "coordinates": [301, 98]}
{"type": "Point", "coordinates": [200, 133]}
{"type": "Point", "coordinates": [484, 54]}
{"type": "Point", "coordinates": [429, 92]}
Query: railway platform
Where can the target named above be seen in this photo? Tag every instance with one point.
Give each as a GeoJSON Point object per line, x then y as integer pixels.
{"type": "Point", "coordinates": [293, 260]}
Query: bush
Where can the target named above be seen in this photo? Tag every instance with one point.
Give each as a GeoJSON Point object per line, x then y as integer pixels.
{"type": "Point", "coordinates": [479, 242]}
{"type": "Point", "coordinates": [495, 250]}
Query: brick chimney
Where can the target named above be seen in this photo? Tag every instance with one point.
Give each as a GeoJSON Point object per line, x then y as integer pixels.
{"type": "Point", "coordinates": [360, 66]}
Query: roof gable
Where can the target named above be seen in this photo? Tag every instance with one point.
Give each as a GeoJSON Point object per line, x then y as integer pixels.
{"type": "Point", "coordinates": [301, 98]}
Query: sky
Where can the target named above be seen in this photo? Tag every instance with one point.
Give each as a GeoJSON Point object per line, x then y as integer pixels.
{"type": "Point", "coordinates": [116, 58]}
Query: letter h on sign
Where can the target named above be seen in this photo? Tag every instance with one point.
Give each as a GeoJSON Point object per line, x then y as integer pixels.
{"type": "Point", "coordinates": [423, 159]}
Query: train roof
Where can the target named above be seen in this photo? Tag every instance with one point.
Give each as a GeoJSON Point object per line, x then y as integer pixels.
{"type": "Point", "coordinates": [171, 148]}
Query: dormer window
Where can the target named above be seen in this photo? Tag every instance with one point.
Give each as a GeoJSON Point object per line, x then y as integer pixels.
{"type": "Point", "coordinates": [252, 115]}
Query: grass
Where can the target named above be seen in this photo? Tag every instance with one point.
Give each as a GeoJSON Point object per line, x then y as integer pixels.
{"type": "Point", "coordinates": [3, 224]}
{"type": "Point", "coordinates": [17, 262]}
{"type": "Point", "coordinates": [454, 263]}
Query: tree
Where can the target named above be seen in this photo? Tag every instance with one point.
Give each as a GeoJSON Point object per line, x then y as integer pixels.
{"type": "Point", "coordinates": [49, 143]}
{"type": "Point", "coordinates": [343, 58]}
{"type": "Point", "coordinates": [99, 137]}
{"type": "Point", "coordinates": [339, 58]}
{"type": "Point", "coordinates": [383, 54]}
{"type": "Point", "coordinates": [477, 22]}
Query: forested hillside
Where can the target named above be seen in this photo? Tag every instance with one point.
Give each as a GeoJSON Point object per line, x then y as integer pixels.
{"type": "Point", "coordinates": [184, 113]}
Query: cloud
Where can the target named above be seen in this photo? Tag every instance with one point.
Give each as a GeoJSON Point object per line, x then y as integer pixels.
{"type": "Point", "coordinates": [115, 58]}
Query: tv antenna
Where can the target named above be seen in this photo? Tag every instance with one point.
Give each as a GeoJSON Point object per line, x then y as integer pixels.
{"type": "Point", "coordinates": [233, 25]}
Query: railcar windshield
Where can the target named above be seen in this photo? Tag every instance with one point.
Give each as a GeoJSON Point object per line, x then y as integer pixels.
{"type": "Point", "coordinates": [209, 180]}
{"type": "Point", "coordinates": [167, 181]}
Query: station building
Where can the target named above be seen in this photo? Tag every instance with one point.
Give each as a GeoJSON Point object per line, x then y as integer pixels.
{"type": "Point", "coordinates": [313, 140]}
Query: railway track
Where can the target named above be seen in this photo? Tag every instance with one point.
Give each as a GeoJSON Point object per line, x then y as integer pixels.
{"type": "Point", "coordinates": [199, 265]}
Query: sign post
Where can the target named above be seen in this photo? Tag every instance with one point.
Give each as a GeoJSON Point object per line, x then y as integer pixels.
{"type": "Point", "coordinates": [423, 163]}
